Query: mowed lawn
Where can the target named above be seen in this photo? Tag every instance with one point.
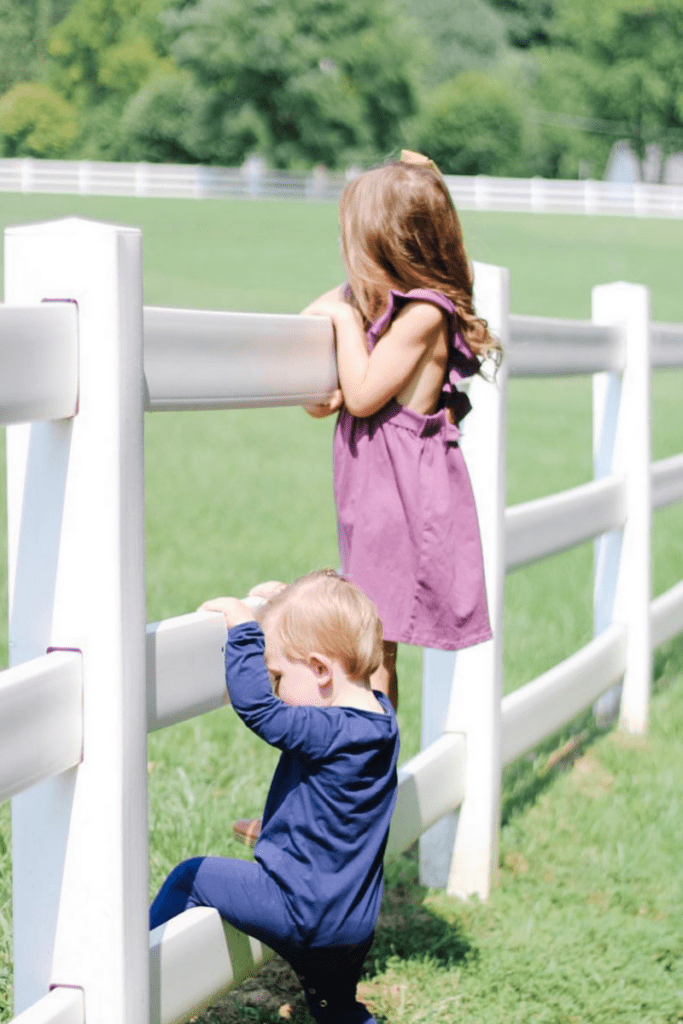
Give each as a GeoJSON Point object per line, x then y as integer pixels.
{"type": "Point", "coordinates": [240, 496]}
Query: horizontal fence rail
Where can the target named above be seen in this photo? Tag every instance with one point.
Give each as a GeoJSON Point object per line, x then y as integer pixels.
{"type": "Point", "coordinates": [196, 359]}
{"type": "Point", "coordinates": [666, 345]}
{"type": "Point", "coordinates": [203, 359]}
{"type": "Point", "coordinates": [185, 671]}
{"type": "Point", "coordinates": [544, 347]}
{"type": "Point", "coordinates": [667, 481]}
{"type": "Point", "coordinates": [667, 615]}
{"type": "Point", "coordinates": [41, 720]}
{"type": "Point", "coordinates": [477, 192]}
{"type": "Point", "coordinates": [38, 362]}
{"type": "Point", "coordinates": [545, 526]}
{"type": "Point", "coordinates": [195, 957]}
{"type": "Point", "coordinates": [60, 1006]}
{"type": "Point", "coordinates": [546, 195]}
{"type": "Point", "coordinates": [543, 706]}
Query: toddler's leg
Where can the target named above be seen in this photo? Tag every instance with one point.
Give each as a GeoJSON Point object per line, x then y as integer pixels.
{"type": "Point", "coordinates": [385, 678]}
{"type": "Point", "coordinates": [240, 890]}
{"type": "Point", "coordinates": [329, 978]}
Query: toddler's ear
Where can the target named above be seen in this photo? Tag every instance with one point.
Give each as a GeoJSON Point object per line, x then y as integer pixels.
{"type": "Point", "coordinates": [321, 666]}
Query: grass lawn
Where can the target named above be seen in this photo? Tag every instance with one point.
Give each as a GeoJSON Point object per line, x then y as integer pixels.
{"type": "Point", "coordinates": [240, 496]}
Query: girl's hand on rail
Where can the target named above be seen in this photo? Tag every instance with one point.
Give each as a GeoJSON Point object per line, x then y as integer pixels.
{"type": "Point", "coordinates": [336, 309]}
{"type": "Point", "coordinates": [328, 408]}
{"type": "Point", "coordinates": [234, 612]}
{"type": "Point", "coordinates": [334, 295]}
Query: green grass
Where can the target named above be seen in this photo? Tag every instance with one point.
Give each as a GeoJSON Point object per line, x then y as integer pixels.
{"type": "Point", "coordinates": [240, 496]}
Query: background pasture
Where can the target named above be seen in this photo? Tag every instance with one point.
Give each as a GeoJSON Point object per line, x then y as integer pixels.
{"type": "Point", "coordinates": [235, 497]}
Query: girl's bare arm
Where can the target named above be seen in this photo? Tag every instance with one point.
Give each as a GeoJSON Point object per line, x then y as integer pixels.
{"type": "Point", "coordinates": [369, 379]}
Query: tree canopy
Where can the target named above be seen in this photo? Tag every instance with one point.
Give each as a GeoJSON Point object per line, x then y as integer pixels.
{"type": "Point", "coordinates": [301, 80]}
{"type": "Point", "coordinates": [500, 86]}
{"type": "Point", "coordinates": [632, 54]}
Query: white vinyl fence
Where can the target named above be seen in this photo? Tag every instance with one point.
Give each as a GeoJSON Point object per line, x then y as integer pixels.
{"type": "Point", "coordinates": [475, 192]}
{"type": "Point", "coordinates": [80, 362]}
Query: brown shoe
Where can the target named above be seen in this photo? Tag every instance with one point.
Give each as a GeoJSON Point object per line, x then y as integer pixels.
{"type": "Point", "coordinates": [247, 830]}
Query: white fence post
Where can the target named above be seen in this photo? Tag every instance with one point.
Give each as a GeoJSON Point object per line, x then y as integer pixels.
{"type": "Point", "coordinates": [621, 447]}
{"type": "Point", "coordinates": [76, 580]}
{"type": "Point", "coordinates": [463, 691]}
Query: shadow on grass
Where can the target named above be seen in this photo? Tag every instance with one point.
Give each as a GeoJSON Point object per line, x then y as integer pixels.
{"type": "Point", "coordinates": [668, 663]}
{"type": "Point", "coordinates": [407, 930]}
{"type": "Point", "coordinates": [525, 779]}
{"type": "Point", "coordinates": [410, 930]}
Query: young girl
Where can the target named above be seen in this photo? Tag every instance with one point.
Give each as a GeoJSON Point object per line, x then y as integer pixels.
{"type": "Point", "coordinates": [314, 890]}
{"type": "Point", "coordinates": [406, 332]}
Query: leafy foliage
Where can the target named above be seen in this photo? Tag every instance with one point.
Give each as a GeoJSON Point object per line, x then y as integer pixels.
{"type": "Point", "coordinates": [459, 36]}
{"type": "Point", "coordinates": [159, 123]}
{"type": "Point", "coordinates": [558, 145]}
{"type": "Point", "coordinates": [634, 63]}
{"type": "Point", "coordinates": [301, 80]}
{"type": "Point", "coordinates": [472, 126]}
{"type": "Point", "coordinates": [36, 121]}
{"type": "Point", "coordinates": [528, 21]}
{"type": "Point", "coordinates": [26, 26]}
{"type": "Point", "coordinates": [106, 48]}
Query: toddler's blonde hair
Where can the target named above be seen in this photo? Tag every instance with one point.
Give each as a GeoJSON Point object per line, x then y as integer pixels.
{"type": "Point", "coordinates": [324, 613]}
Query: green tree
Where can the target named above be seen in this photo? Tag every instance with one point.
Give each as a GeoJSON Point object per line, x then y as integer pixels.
{"type": "Point", "coordinates": [563, 137]}
{"type": "Point", "coordinates": [159, 124]}
{"type": "Point", "coordinates": [105, 50]}
{"type": "Point", "coordinates": [103, 53]}
{"type": "Point", "coordinates": [472, 125]}
{"type": "Point", "coordinates": [26, 25]}
{"type": "Point", "coordinates": [633, 71]}
{"type": "Point", "coordinates": [36, 121]}
{"type": "Point", "coordinates": [300, 80]}
{"type": "Point", "coordinates": [527, 21]}
{"type": "Point", "coordinates": [458, 36]}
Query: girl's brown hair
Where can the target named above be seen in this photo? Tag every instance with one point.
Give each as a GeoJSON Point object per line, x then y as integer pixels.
{"type": "Point", "coordinates": [399, 229]}
{"type": "Point", "coordinates": [323, 613]}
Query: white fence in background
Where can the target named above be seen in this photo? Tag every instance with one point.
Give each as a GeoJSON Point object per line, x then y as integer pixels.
{"type": "Point", "coordinates": [188, 181]}
{"type": "Point", "coordinates": [81, 360]}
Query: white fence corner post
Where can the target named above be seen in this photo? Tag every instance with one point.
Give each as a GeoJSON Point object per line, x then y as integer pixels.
{"type": "Point", "coordinates": [76, 580]}
{"type": "Point", "coordinates": [621, 447]}
{"type": "Point", "coordinates": [462, 692]}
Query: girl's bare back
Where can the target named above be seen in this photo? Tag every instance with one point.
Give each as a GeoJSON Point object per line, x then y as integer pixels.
{"type": "Point", "coordinates": [423, 390]}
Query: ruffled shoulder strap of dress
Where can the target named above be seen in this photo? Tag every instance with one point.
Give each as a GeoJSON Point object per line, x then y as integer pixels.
{"type": "Point", "coordinates": [397, 300]}
{"type": "Point", "coordinates": [462, 362]}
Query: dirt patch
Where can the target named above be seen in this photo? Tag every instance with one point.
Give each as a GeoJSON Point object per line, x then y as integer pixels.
{"type": "Point", "coordinates": [591, 777]}
{"type": "Point", "coordinates": [517, 863]}
{"type": "Point", "coordinates": [629, 740]}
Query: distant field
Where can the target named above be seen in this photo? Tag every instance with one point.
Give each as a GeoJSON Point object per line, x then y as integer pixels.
{"type": "Point", "coordinates": [274, 255]}
{"type": "Point", "coordinates": [240, 496]}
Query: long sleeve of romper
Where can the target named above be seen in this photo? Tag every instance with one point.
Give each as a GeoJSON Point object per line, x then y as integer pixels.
{"type": "Point", "coordinates": [252, 697]}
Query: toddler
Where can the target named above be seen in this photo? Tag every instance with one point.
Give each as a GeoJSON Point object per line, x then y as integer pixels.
{"type": "Point", "coordinates": [299, 679]}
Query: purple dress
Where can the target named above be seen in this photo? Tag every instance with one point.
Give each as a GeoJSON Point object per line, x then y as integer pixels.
{"type": "Point", "coordinates": [406, 518]}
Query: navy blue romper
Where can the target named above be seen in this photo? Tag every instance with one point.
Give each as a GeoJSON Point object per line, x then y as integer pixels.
{"type": "Point", "coordinates": [314, 891]}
